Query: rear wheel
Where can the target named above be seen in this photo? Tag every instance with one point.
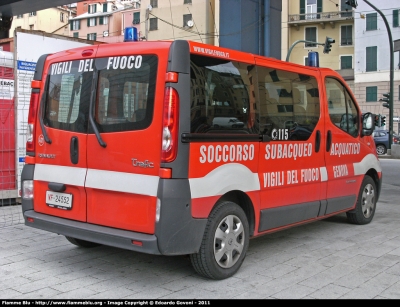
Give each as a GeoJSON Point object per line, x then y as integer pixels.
{"type": "Point", "coordinates": [82, 243]}
{"type": "Point", "coordinates": [225, 242]}
{"type": "Point", "coordinates": [380, 149]}
{"type": "Point", "coordinates": [366, 203]}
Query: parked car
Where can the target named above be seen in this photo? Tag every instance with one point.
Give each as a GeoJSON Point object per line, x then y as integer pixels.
{"type": "Point", "coordinates": [381, 138]}
{"type": "Point", "coordinates": [227, 122]}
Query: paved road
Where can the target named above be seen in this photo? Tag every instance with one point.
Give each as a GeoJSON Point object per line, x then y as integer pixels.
{"type": "Point", "coordinates": [328, 259]}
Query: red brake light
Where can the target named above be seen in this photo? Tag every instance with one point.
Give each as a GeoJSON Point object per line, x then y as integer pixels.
{"type": "Point", "coordinates": [170, 125]}
{"type": "Point", "coordinates": [33, 106]}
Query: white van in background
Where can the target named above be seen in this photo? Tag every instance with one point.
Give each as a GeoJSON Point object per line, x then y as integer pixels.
{"type": "Point", "coordinates": [227, 122]}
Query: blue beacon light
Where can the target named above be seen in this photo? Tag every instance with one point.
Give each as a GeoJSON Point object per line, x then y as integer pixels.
{"type": "Point", "coordinates": [130, 34]}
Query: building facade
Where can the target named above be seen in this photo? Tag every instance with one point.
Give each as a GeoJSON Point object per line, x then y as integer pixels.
{"type": "Point", "coordinates": [105, 20]}
{"type": "Point", "coordinates": [52, 20]}
{"type": "Point", "coordinates": [305, 27]}
{"type": "Point", "coordinates": [252, 26]}
{"type": "Point", "coordinates": [372, 54]}
{"type": "Point", "coordinates": [179, 19]}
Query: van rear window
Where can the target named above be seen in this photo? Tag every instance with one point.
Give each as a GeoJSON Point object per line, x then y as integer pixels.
{"type": "Point", "coordinates": [67, 97]}
{"type": "Point", "coordinates": [125, 97]}
{"type": "Point", "coordinates": [125, 89]}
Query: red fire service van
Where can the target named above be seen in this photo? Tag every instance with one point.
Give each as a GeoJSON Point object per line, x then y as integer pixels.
{"type": "Point", "coordinates": [123, 150]}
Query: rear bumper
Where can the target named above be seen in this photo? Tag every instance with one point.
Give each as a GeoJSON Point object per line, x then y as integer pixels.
{"type": "Point", "coordinates": [93, 233]}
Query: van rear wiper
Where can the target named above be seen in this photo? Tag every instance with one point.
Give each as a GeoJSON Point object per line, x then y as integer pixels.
{"type": "Point", "coordinates": [91, 116]}
{"type": "Point", "coordinates": [41, 107]}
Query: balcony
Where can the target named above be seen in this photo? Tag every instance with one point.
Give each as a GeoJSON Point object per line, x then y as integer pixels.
{"type": "Point", "coordinates": [321, 18]}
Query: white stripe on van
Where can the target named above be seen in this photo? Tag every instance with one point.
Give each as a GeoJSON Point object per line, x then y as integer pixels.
{"type": "Point", "coordinates": [368, 162]}
{"type": "Point", "coordinates": [61, 174]}
{"type": "Point", "coordinates": [122, 182]}
{"type": "Point", "coordinates": [324, 173]}
{"type": "Point", "coordinates": [225, 178]}
{"type": "Point", "coordinates": [98, 179]}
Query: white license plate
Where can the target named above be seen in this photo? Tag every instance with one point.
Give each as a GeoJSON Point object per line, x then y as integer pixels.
{"type": "Point", "coordinates": [59, 200]}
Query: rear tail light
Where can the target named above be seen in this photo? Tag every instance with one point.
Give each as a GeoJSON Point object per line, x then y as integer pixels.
{"type": "Point", "coordinates": [170, 125]}
{"type": "Point", "coordinates": [33, 106]}
{"type": "Point", "coordinates": [27, 189]}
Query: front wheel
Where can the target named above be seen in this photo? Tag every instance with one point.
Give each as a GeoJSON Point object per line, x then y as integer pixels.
{"type": "Point", "coordinates": [225, 242]}
{"type": "Point", "coordinates": [366, 203]}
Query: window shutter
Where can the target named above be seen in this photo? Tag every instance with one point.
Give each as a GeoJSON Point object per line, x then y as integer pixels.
{"type": "Point", "coordinates": [372, 21]}
{"type": "Point", "coordinates": [347, 35]}
{"type": "Point", "coordinates": [79, 24]}
{"type": "Point", "coordinates": [136, 18]}
{"type": "Point", "coordinates": [302, 9]}
{"type": "Point", "coordinates": [94, 36]}
{"type": "Point", "coordinates": [101, 20]}
{"type": "Point", "coordinates": [319, 6]}
{"type": "Point", "coordinates": [88, 22]}
{"type": "Point", "coordinates": [372, 93]}
{"type": "Point", "coordinates": [88, 36]}
{"type": "Point", "coordinates": [346, 62]}
{"type": "Point", "coordinates": [70, 25]}
{"type": "Point", "coordinates": [104, 7]}
{"type": "Point", "coordinates": [371, 60]}
{"type": "Point", "coordinates": [368, 59]}
{"type": "Point", "coordinates": [88, 10]}
{"type": "Point", "coordinates": [375, 58]}
{"type": "Point", "coordinates": [311, 35]}
{"type": "Point", "coordinates": [95, 8]}
{"type": "Point", "coordinates": [344, 36]}
{"type": "Point", "coordinates": [95, 21]}
{"type": "Point", "coordinates": [395, 18]}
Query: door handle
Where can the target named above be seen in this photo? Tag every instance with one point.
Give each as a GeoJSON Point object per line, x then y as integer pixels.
{"type": "Point", "coordinates": [57, 187]}
{"type": "Point", "coordinates": [328, 141]}
{"type": "Point", "coordinates": [74, 150]}
{"type": "Point", "coordinates": [317, 141]}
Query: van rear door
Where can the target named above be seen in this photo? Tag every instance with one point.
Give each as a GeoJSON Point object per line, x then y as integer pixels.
{"type": "Point", "coordinates": [61, 161]}
{"type": "Point", "coordinates": [123, 155]}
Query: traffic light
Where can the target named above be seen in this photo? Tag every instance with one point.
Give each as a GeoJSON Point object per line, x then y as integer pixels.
{"type": "Point", "coordinates": [328, 44]}
{"type": "Point", "coordinates": [383, 121]}
{"type": "Point", "coordinates": [377, 120]}
{"type": "Point", "coordinates": [352, 3]}
{"type": "Point", "coordinates": [386, 100]}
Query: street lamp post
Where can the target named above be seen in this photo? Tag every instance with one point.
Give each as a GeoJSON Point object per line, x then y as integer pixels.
{"type": "Point", "coordinates": [353, 3]}
{"type": "Point", "coordinates": [391, 76]}
{"type": "Point", "coordinates": [303, 41]}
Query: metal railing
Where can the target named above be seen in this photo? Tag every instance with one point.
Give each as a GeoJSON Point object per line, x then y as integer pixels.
{"type": "Point", "coordinates": [327, 16]}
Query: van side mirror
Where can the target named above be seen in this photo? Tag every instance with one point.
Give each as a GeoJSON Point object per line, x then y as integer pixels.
{"type": "Point", "coordinates": [368, 125]}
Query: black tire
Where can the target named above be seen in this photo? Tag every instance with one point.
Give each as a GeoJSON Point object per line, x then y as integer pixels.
{"type": "Point", "coordinates": [82, 243]}
{"type": "Point", "coordinates": [225, 242]}
{"type": "Point", "coordinates": [366, 203]}
{"type": "Point", "coordinates": [380, 149]}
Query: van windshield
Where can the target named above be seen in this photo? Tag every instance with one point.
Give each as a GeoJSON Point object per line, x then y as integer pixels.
{"type": "Point", "coordinates": [124, 100]}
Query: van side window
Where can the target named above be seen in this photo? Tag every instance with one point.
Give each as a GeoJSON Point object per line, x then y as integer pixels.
{"type": "Point", "coordinates": [125, 96]}
{"type": "Point", "coordinates": [220, 96]}
{"type": "Point", "coordinates": [67, 97]}
{"type": "Point", "coordinates": [287, 100]}
{"type": "Point", "coordinates": [342, 109]}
